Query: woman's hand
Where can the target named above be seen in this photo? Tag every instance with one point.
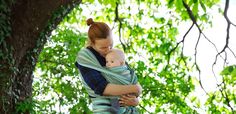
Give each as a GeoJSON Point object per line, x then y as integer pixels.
{"type": "Point", "coordinates": [128, 100]}
{"type": "Point", "coordinates": [139, 89]}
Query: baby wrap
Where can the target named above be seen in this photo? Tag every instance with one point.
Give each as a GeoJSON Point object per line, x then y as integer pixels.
{"type": "Point", "coordinates": [113, 75]}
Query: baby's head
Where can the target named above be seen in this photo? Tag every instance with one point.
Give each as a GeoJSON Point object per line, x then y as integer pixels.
{"type": "Point", "coordinates": [115, 57]}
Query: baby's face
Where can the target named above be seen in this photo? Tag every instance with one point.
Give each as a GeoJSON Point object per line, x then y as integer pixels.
{"type": "Point", "coordinates": [112, 61]}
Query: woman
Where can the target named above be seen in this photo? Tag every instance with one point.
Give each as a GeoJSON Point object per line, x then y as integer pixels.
{"type": "Point", "coordinates": [99, 44]}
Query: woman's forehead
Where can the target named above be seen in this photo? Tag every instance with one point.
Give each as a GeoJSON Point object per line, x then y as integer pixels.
{"type": "Point", "coordinates": [104, 42]}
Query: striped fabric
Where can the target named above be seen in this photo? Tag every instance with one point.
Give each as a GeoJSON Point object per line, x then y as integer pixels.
{"type": "Point", "coordinates": [117, 75]}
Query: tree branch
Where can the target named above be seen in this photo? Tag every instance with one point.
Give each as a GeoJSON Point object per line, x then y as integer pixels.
{"type": "Point", "coordinates": [182, 41]}
{"type": "Point", "coordinates": [190, 13]}
{"type": "Point", "coordinates": [117, 18]}
{"type": "Point", "coordinates": [227, 30]}
{"type": "Point", "coordinates": [232, 52]}
{"type": "Point", "coordinates": [195, 64]}
{"type": "Point", "coordinates": [144, 109]}
{"type": "Point", "coordinates": [223, 91]}
{"type": "Point", "coordinates": [183, 46]}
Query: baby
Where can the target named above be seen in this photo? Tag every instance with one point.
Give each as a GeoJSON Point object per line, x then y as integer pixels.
{"type": "Point", "coordinates": [115, 61]}
{"type": "Point", "coordinates": [115, 58]}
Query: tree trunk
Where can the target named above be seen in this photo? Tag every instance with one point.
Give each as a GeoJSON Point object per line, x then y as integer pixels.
{"type": "Point", "coordinates": [30, 22]}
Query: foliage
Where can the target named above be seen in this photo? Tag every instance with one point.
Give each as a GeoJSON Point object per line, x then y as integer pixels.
{"type": "Point", "coordinates": [56, 63]}
{"type": "Point", "coordinates": [147, 34]}
{"type": "Point", "coordinates": [225, 96]}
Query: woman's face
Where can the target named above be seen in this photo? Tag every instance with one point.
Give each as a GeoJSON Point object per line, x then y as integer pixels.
{"type": "Point", "coordinates": [103, 46]}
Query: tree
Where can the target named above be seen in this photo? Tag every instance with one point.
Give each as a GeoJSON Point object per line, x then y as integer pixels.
{"type": "Point", "coordinates": [25, 26]}
{"type": "Point", "coordinates": [148, 36]}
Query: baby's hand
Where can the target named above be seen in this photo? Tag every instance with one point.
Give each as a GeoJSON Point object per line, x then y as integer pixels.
{"type": "Point", "coordinates": [128, 100]}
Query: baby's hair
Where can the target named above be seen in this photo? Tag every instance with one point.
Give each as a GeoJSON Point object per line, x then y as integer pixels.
{"type": "Point", "coordinates": [119, 53]}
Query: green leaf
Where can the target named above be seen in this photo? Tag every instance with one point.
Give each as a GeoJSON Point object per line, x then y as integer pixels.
{"type": "Point", "coordinates": [195, 9]}
{"type": "Point", "coordinates": [90, 1]}
{"type": "Point", "coordinates": [227, 70]}
{"type": "Point", "coordinates": [179, 5]}
{"type": "Point", "coordinates": [170, 3]}
{"type": "Point", "coordinates": [195, 1]}
{"type": "Point", "coordinates": [203, 6]}
{"type": "Point", "coordinates": [233, 73]}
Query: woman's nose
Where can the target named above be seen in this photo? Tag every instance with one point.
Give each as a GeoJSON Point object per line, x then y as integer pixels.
{"type": "Point", "coordinates": [108, 49]}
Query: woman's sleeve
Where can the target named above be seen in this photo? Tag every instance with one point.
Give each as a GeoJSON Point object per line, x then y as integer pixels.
{"type": "Point", "coordinates": [93, 78]}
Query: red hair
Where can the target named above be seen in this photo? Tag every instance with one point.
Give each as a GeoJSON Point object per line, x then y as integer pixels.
{"type": "Point", "coordinates": [97, 30]}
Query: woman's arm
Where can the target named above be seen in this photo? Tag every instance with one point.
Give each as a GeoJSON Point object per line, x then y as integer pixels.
{"type": "Point", "coordinates": [98, 83]}
{"type": "Point", "coordinates": [114, 90]}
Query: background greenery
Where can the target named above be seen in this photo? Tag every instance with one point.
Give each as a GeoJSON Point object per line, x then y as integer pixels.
{"type": "Point", "coordinates": [147, 33]}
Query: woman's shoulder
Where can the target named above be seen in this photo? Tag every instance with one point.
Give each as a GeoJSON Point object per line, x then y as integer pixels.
{"type": "Point", "coordinates": [83, 50]}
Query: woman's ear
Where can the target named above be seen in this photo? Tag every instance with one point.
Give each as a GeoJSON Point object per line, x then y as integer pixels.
{"type": "Point", "coordinates": [92, 43]}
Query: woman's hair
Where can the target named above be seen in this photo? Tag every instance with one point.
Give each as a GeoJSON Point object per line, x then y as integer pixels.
{"type": "Point", "coordinates": [97, 30]}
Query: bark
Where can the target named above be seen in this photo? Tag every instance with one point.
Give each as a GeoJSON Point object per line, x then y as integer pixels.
{"type": "Point", "coordinates": [28, 20]}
